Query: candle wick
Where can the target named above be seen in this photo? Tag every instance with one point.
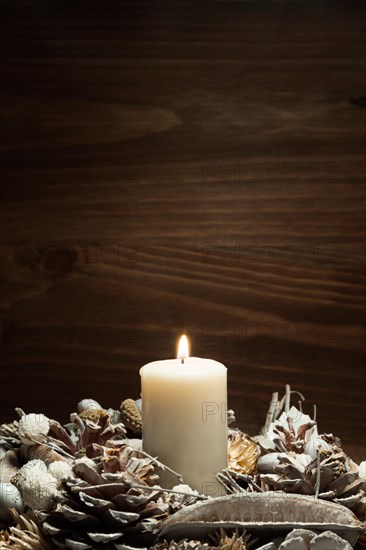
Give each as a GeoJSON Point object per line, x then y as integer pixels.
{"type": "Point", "coordinates": [182, 361]}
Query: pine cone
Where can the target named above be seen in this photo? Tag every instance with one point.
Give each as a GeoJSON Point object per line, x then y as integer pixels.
{"type": "Point", "coordinates": [108, 504]}
{"type": "Point", "coordinates": [131, 416]}
{"type": "Point", "coordinates": [331, 477]}
{"type": "Point", "coordinates": [55, 450]}
{"type": "Point", "coordinates": [308, 463]}
{"type": "Point", "coordinates": [90, 429]}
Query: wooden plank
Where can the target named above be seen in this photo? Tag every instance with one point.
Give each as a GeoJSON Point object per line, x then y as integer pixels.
{"type": "Point", "coordinates": [184, 166]}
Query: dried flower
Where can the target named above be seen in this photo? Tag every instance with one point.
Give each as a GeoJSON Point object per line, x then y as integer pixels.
{"type": "Point", "coordinates": [37, 487]}
{"type": "Point", "coordinates": [60, 470]}
{"type": "Point", "coordinates": [292, 431]}
{"type": "Point", "coordinates": [33, 427]}
{"type": "Point", "coordinates": [243, 453]}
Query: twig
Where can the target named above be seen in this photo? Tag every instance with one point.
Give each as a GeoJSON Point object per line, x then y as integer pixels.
{"type": "Point", "coordinates": [271, 413]}
{"type": "Point", "coordinates": [280, 406]}
{"type": "Point", "coordinates": [225, 479]}
{"type": "Point", "coordinates": [287, 398]}
{"type": "Point", "coordinates": [139, 486]}
{"type": "Point", "coordinates": [314, 413]}
{"type": "Point", "coordinates": [298, 393]}
{"type": "Point", "coordinates": [246, 478]}
{"type": "Point", "coordinates": [317, 483]}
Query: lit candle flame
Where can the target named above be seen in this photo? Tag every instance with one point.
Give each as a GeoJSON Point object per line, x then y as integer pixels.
{"type": "Point", "coordinates": [183, 348]}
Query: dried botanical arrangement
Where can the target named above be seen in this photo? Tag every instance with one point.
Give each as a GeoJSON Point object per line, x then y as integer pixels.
{"type": "Point", "coordinates": [90, 485]}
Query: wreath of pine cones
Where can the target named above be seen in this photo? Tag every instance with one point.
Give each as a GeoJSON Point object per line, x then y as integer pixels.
{"type": "Point", "coordinates": [89, 484]}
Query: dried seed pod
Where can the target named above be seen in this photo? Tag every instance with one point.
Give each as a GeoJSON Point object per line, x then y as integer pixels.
{"type": "Point", "coordinates": [262, 513]}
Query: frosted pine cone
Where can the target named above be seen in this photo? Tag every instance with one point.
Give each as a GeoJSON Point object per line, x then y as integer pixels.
{"type": "Point", "coordinates": [109, 503]}
{"type": "Point", "coordinates": [87, 433]}
{"type": "Point", "coordinates": [331, 477]}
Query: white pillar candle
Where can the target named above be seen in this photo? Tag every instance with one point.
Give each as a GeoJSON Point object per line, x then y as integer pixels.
{"type": "Point", "coordinates": [184, 403]}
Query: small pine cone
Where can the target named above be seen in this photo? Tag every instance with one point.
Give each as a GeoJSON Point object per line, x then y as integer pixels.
{"type": "Point", "coordinates": [131, 416]}
{"type": "Point", "coordinates": [91, 429]}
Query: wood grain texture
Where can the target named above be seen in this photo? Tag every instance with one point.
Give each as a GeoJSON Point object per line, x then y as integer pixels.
{"type": "Point", "coordinates": [184, 166]}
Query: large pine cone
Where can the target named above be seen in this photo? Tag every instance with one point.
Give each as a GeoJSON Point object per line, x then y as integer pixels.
{"type": "Point", "coordinates": [110, 504]}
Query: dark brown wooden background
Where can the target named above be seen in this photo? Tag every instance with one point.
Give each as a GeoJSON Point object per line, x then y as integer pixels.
{"type": "Point", "coordinates": [195, 166]}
